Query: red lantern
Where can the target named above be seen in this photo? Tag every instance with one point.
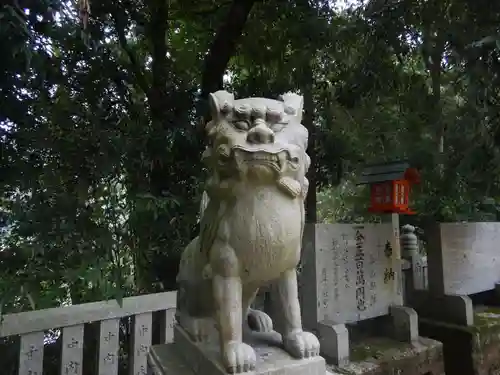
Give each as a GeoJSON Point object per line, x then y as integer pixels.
{"type": "Point", "coordinates": [390, 185]}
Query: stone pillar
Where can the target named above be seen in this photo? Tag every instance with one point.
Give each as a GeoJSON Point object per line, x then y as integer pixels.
{"type": "Point", "coordinates": [409, 242]}
{"type": "Point", "coordinates": [404, 323]}
{"type": "Point", "coordinates": [411, 252]}
{"type": "Point", "coordinates": [334, 340]}
{"type": "Point", "coordinates": [435, 266]}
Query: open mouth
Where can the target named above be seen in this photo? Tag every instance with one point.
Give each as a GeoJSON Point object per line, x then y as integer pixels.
{"type": "Point", "coordinates": [260, 157]}
{"type": "Point", "coordinates": [276, 161]}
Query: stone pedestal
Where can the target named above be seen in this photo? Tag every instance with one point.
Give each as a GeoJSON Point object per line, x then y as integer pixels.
{"type": "Point", "coordinates": [185, 357]}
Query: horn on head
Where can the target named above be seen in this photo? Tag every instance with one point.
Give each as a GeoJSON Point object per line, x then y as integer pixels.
{"type": "Point", "coordinates": [294, 104]}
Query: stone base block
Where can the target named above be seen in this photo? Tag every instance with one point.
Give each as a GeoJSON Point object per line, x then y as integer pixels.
{"type": "Point", "coordinates": [404, 323]}
{"type": "Point", "coordinates": [185, 357]}
{"type": "Point", "coordinates": [454, 309]}
{"type": "Point", "coordinates": [334, 340]}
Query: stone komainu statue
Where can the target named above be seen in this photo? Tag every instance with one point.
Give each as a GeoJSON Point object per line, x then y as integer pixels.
{"type": "Point", "coordinates": [251, 227]}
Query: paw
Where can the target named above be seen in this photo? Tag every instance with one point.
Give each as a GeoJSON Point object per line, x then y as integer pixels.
{"type": "Point", "coordinates": [259, 321]}
{"type": "Point", "coordinates": [238, 357]}
{"type": "Point", "coordinates": [199, 335]}
{"type": "Point", "coordinates": [301, 344]}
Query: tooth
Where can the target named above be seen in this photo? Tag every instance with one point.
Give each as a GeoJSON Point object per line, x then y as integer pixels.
{"type": "Point", "coordinates": [282, 160]}
{"type": "Point", "coordinates": [238, 158]}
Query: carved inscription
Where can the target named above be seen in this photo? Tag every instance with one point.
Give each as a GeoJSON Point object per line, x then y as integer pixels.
{"type": "Point", "coordinates": [108, 347]}
{"type": "Point", "coordinates": [336, 269]}
{"type": "Point", "coordinates": [143, 330]}
{"type": "Point", "coordinates": [31, 351]}
{"type": "Point", "coordinates": [142, 349]}
{"type": "Point", "coordinates": [108, 336]}
{"type": "Point", "coordinates": [354, 273]}
{"type": "Point", "coordinates": [72, 368]}
{"type": "Point", "coordinates": [141, 342]}
{"type": "Point", "coordinates": [110, 357]}
{"type": "Point", "coordinates": [325, 295]}
{"type": "Point", "coordinates": [372, 276]}
{"type": "Point", "coordinates": [72, 350]}
{"type": "Point", "coordinates": [73, 343]}
{"type": "Point", "coordinates": [389, 275]}
{"type": "Point", "coordinates": [31, 354]}
{"type": "Point", "coordinates": [388, 249]}
{"type": "Point", "coordinates": [346, 256]}
{"type": "Point", "coordinates": [168, 322]}
{"type": "Point", "coordinates": [359, 259]}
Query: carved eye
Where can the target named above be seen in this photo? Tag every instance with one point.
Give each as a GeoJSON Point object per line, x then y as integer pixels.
{"type": "Point", "coordinates": [277, 127]}
{"type": "Point", "coordinates": [242, 125]}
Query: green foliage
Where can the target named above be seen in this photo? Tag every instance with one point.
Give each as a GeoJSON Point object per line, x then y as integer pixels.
{"type": "Point", "coordinates": [101, 145]}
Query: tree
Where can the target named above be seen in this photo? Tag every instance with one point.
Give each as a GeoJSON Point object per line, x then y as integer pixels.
{"type": "Point", "coordinates": [96, 124]}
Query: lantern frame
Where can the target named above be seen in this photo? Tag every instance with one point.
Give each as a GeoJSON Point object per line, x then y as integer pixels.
{"type": "Point", "coordinates": [390, 186]}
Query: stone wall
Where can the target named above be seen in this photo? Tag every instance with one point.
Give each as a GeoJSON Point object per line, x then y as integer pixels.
{"type": "Point", "coordinates": [471, 257]}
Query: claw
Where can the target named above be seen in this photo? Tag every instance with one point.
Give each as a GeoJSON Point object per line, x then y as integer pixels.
{"type": "Point", "coordinates": [301, 344]}
{"type": "Point", "coordinates": [239, 357]}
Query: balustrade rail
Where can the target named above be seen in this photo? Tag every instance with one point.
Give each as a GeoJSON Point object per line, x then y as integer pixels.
{"type": "Point", "coordinates": [32, 327]}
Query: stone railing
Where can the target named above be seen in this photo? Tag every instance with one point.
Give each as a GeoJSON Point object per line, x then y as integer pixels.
{"type": "Point", "coordinates": [32, 327]}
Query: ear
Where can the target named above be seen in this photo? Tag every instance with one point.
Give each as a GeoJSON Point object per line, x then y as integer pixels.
{"type": "Point", "coordinates": [293, 103]}
{"type": "Point", "coordinates": [307, 162]}
{"type": "Point", "coordinates": [206, 154]}
{"type": "Point", "coordinates": [219, 101]}
{"type": "Point", "coordinates": [203, 204]}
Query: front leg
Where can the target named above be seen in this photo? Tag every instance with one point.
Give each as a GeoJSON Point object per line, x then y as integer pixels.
{"type": "Point", "coordinates": [297, 343]}
{"type": "Point", "coordinates": [236, 355]}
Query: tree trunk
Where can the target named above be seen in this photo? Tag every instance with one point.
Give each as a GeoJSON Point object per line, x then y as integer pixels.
{"type": "Point", "coordinates": [164, 267]}
{"type": "Point", "coordinates": [221, 50]}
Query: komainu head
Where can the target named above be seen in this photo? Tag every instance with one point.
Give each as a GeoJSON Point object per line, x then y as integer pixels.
{"type": "Point", "coordinates": [256, 140]}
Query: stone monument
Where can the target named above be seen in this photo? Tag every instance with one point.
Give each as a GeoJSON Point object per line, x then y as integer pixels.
{"type": "Point", "coordinates": [250, 236]}
{"type": "Point", "coordinates": [459, 306]}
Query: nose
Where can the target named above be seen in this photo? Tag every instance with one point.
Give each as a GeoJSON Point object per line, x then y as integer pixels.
{"type": "Point", "coordinates": [260, 134]}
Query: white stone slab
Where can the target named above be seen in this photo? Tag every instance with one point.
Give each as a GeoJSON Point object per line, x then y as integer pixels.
{"type": "Point", "coordinates": [353, 277]}
{"type": "Point", "coordinates": [471, 257]}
